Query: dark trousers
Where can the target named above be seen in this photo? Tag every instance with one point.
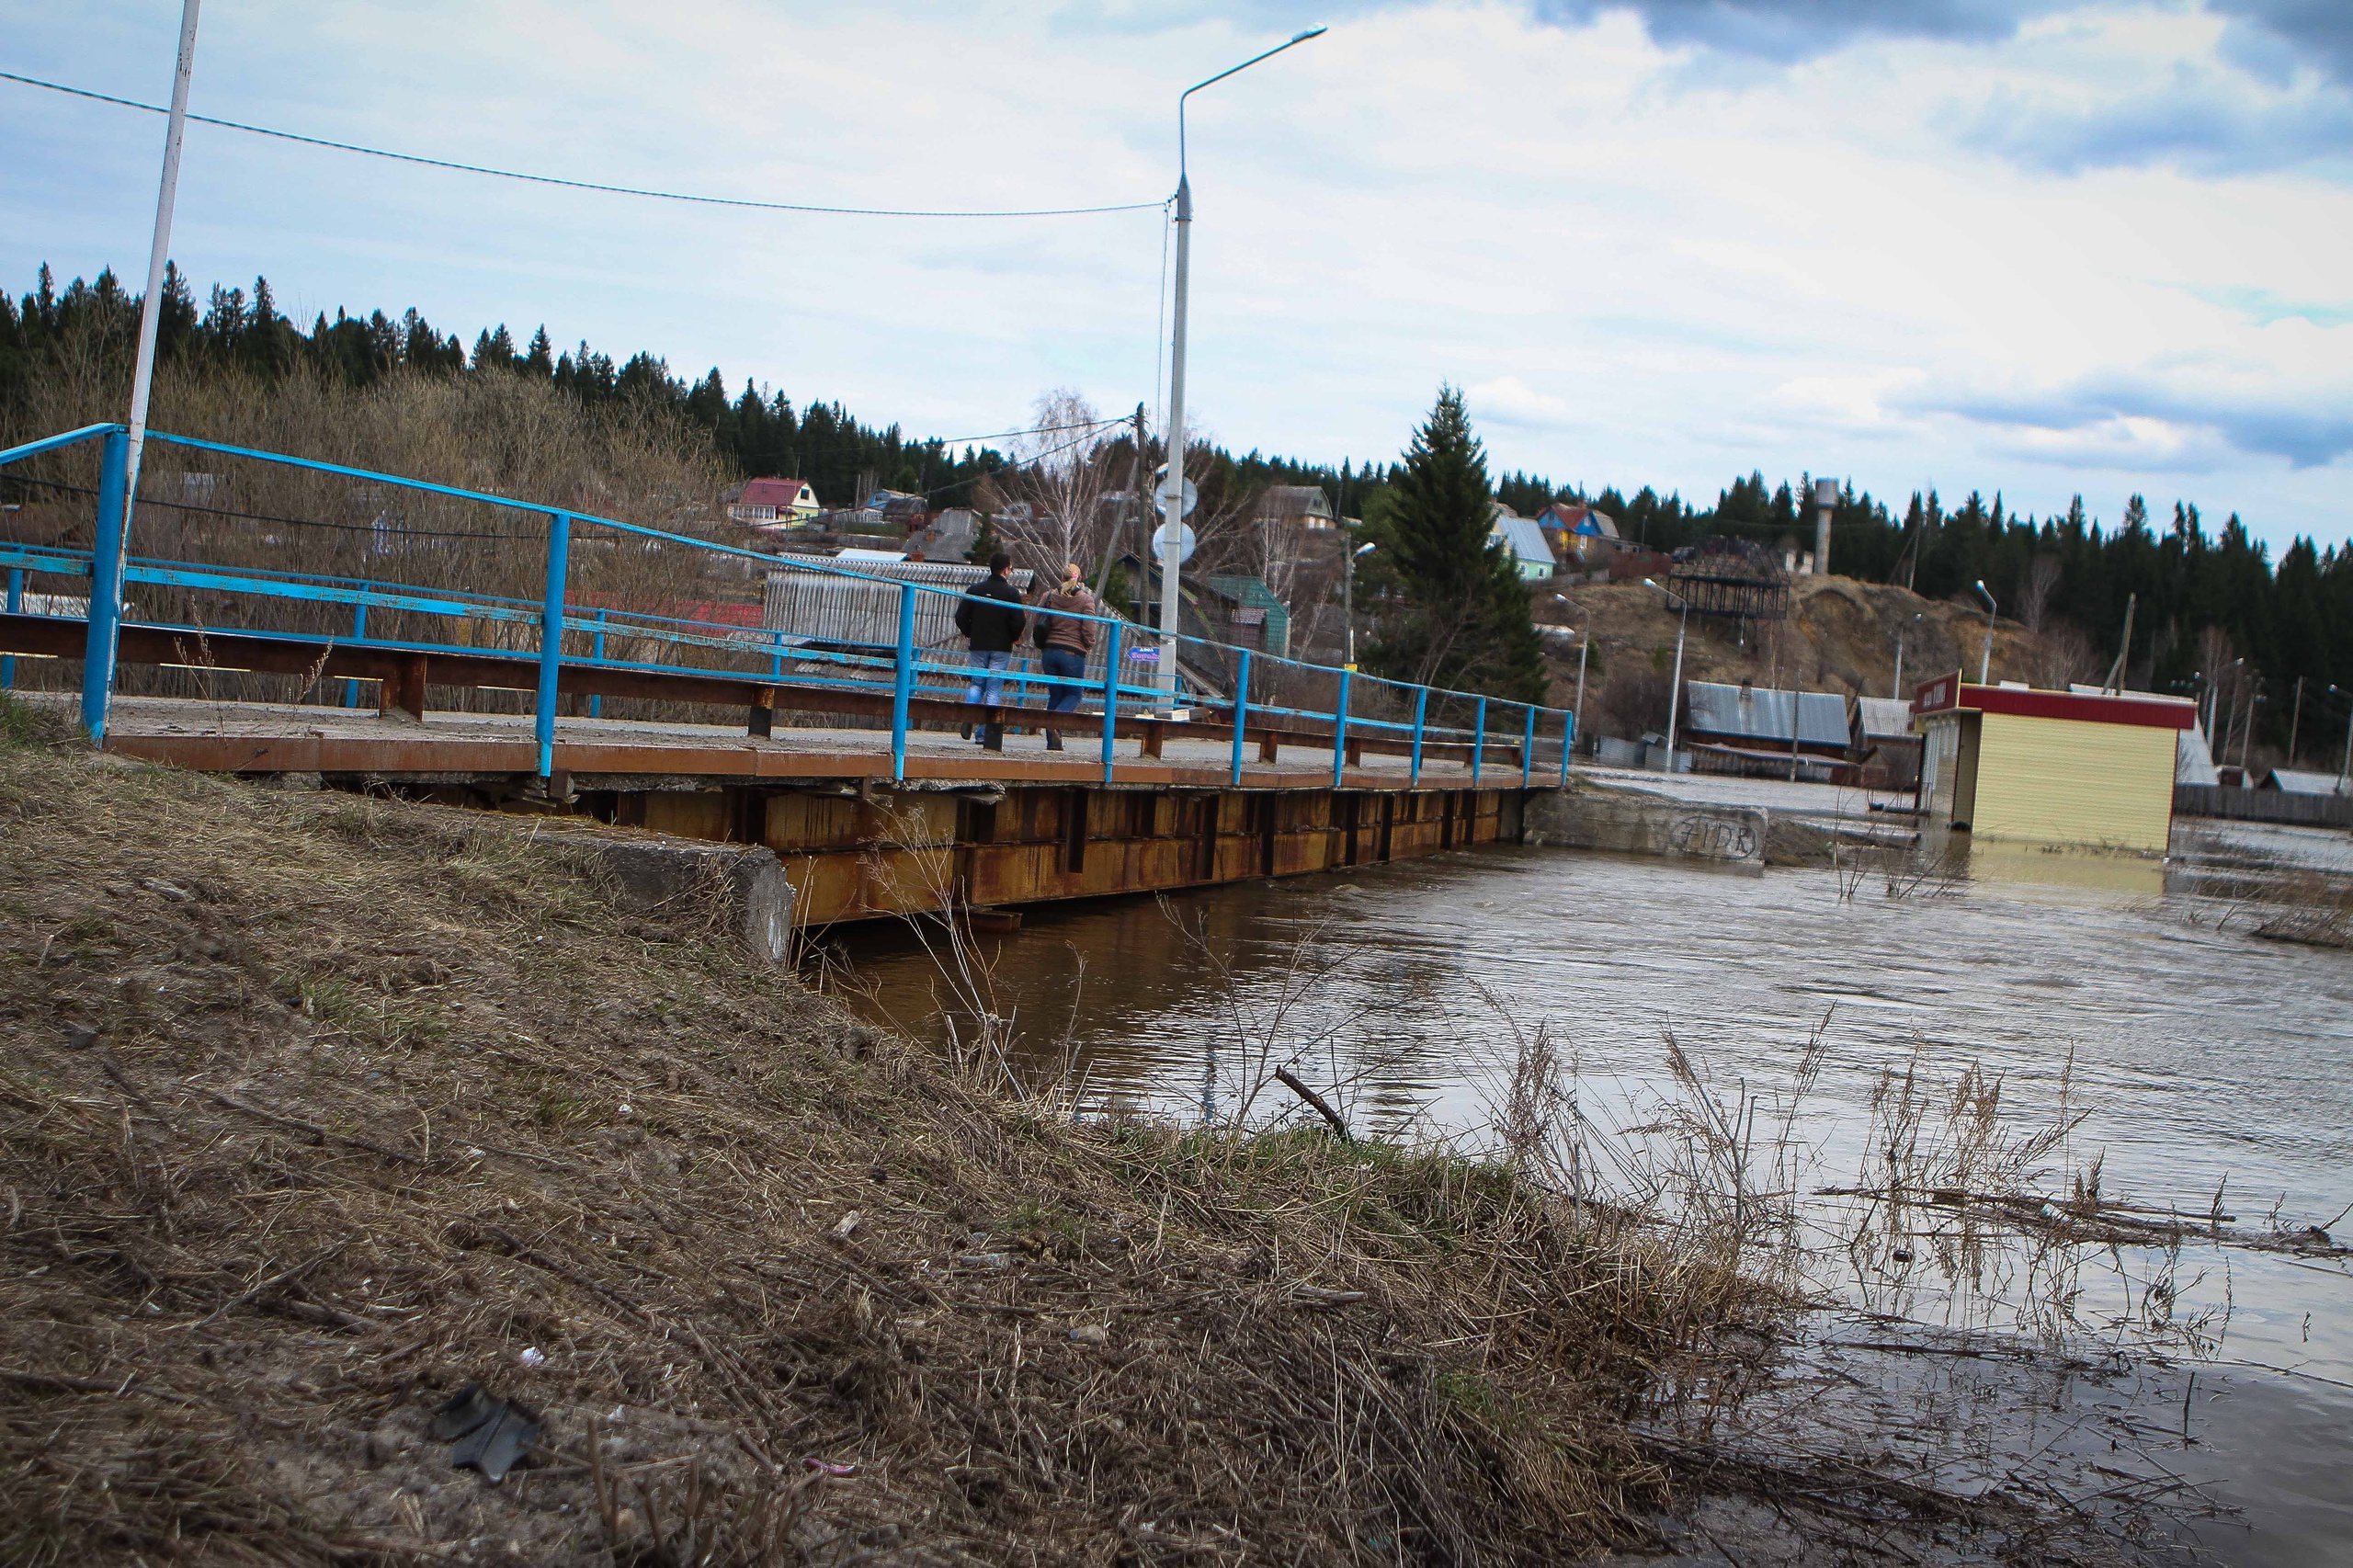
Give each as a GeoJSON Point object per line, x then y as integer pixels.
{"type": "Point", "coordinates": [1063, 665]}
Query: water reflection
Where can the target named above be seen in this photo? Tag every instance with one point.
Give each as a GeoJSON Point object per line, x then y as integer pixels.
{"type": "Point", "coordinates": [2212, 1070]}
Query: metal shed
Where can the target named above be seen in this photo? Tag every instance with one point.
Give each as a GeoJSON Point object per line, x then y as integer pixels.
{"type": "Point", "coordinates": [1764, 717]}
{"type": "Point", "coordinates": [2051, 768]}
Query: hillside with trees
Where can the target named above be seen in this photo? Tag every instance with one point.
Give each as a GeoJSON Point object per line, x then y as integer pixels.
{"type": "Point", "coordinates": [2206, 601]}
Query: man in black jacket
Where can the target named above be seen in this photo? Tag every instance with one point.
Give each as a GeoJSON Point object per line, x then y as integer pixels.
{"type": "Point", "coordinates": [992, 617]}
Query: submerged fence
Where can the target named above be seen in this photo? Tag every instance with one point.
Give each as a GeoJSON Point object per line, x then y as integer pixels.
{"type": "Point", "coordinates": [2262, 805]}
{"type": "Point", "coordinates": [575, 588]}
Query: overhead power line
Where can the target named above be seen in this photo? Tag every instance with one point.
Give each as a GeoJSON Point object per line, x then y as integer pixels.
{"type": "Point", "coordinates": [588, 185]}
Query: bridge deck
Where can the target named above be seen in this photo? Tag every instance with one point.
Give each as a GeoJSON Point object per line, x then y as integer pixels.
{"type": "Point", "coordinates": [252, 737]}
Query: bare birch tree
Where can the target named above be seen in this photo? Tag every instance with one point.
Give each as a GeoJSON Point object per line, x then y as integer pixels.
{"type": "Point", "coordinates": [1062, 478]}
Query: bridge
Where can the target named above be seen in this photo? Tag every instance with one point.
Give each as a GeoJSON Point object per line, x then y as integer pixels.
{"type": "Point", "coordinates": [327, 625]}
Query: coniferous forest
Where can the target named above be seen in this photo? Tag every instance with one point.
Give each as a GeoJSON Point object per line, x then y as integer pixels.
{"type": "Point", "coordinates": [2205, 595]}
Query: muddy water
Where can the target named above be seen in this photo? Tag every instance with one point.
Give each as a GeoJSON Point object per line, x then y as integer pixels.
{"type": "Point", "coordinates": [2203, 1060]}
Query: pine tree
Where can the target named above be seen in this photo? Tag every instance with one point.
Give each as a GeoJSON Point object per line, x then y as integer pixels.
{"type": "Point", "coordinates": [1463, 621]}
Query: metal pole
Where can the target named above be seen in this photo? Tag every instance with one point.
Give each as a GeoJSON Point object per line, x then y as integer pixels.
{"type": "Point", "coordinates": [902, 681]}
{"type": "Point", "coordinates": [552, 637]}
{"type": "Point", "coordinates": [150, 307]}
{"type": "Point", "coordinates": [1528, 747]}
{"type": "Point", "coordinates": [596, 651]}
{"type": "Point", "coordinates": [1176, 486]}
{"type": "Point", "coordinates": [358, 633]}
{"type": "Point", "coordinates": [1421, 710]}
{"type": "Point", "coordinates": [1241, 709]}
{"type": "Point", "coordinates": [1478, 741]}
{"type": "Point", "coordinates": [1568, 745]}
{"type": "Point", "coordinates": [1825, 497]}
{"type": "Point", "coordinates": [1675, 690]}
{"type": "Point", "coordinates": [15, 606]}
{"type": "Point", "coordinates": [106, 588]}
{"type": "Point", "coordinates": [1985, 658]}
{"type": "Point", "coordinates": [2345, 768]}
{"type": "Point", "coordinates": [1340, 731]}
{"type": "Point", "coordinates": [1173, 514]}
{"type": "Point", "coordinates": [1797, 715]}
{"type": "Point", "coordinates": [1110, 695]}
{"type": "Point", "coordinates": [1583, 648]}
{"type": "Point", "coordinates": [1349, 596]}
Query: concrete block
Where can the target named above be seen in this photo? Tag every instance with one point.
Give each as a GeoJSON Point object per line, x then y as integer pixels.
{"type": "Point", "coordinates": [1648, 825]}
{"type": "Point", "coordinates": [741, 884]}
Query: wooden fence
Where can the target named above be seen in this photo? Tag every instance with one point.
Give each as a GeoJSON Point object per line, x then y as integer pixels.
{"type": "Point", "coordinates": [2262, 805]}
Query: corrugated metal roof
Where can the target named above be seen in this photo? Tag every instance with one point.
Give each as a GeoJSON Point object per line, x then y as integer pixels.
{"type": "Point", "coordinates": [2299, 781]}
{"type": "Point", "coordinates": [1524, 535]}
{"type": "Point", "coordinates": [2192, 761]}
{"type": "Point", "coordinates": [1760, 714]}
{"type": "Point", "coordinates": [863, 610]}
{"type": "Point", "coordinates": [1885, 715]}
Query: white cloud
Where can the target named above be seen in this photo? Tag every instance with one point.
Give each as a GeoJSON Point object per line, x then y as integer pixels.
{"type": "Point", "coordinates": [1507, 400]}
{"type": "Point", "coordinates": [1644, 273]}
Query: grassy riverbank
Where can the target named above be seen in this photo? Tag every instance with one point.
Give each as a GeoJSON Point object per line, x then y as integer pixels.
{"type": "Point", "coordinates": [318, 1109]}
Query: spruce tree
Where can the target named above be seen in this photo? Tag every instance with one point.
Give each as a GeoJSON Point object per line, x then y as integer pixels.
{"type": "Point", "coordinates": [1463, 620]}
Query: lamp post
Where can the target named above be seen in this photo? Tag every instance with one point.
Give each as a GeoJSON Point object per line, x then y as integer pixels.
{"type": "Point", "coordinates": [1585, 646]}
{"type": "Point", "coordinates": [2345, 769]}
{"type": "Point", "coordinates": [113, 539]}
{"type": "Point", "coordinates": [1349, 597]}
{"type": "Point", "coordinates": [1674, 692]}
{"type": "Point", "coordinates": [1174, 492]}
{"type": "Point", "coordinates": [1900, 631]}
{"type": "Point", "coordinates": [1986, 659]}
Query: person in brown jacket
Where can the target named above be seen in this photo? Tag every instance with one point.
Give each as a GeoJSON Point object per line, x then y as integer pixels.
{"type": "Point", "coordinates": [1064, 641]}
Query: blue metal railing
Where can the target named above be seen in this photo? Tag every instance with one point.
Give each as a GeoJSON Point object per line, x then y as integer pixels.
{"type": "Point", "coordinates": [901, 669]}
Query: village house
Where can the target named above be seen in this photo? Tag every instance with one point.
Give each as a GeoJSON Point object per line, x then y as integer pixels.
{"type": "Point", "coordinates": [757, 501]}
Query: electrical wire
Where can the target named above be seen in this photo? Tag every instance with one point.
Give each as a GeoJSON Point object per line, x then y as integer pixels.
{"type": "Point", "coordinates": [284, 522]}
{"type": "Point", "coordinates": [582, 184]}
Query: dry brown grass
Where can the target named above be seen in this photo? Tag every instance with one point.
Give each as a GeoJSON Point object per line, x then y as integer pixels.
{"type": "Point", "coordinates": [317, 1109]}
{"type": "Point", "coordinates": [505, 436]}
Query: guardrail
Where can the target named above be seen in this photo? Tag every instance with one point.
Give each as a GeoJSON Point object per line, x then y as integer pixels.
{"type": "Point", "coordinates": [1368, 711]}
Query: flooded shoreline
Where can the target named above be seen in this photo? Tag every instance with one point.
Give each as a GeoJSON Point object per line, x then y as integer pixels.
{"type": "Point", "coordinates": [2206, 1073]}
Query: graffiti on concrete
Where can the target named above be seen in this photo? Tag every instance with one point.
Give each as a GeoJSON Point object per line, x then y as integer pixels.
{"type": "Point", "coordinates": [1712, 838]}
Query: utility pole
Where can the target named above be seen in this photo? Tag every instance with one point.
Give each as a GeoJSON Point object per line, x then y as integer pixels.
{"type": "Point", "coordinates": [1797, 716]}
{"type": "Point", "coordinates": [1825, 497]}
{"type": "Point", "coordinates": [2115, 681]}
{"type": "Point", "coordinates": [1675, 691]}
{"type": "Point", "coordinates": [1135, 512]}
{"type": "Point", "coordinates": [2295, 722]}
{"type": "Point", "coordinates": [1900, 631]}
{"type": "Point", "coordinates": [1986, 659]}
{"type": "Point", "coordinates": [106, 576]}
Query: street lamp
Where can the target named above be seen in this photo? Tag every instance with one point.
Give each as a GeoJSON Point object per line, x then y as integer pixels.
{"type": "Point", "coordinates": [112, 543]}
{"type": "Point", "coordinates": [1675, 692]}
{"type": "Point", "coordinates": [1349, 596]}
{"type": "Point", "coordinates": [1585, 646]}
{"type": "Point", "coordinates": [1174, 510]}
{"type": "Point", "coordinates": [2344, 770]}
{"type": "Point", "coordinates": [1900, 631]}
{"type": "Point", "coordinates": [1986, 659]}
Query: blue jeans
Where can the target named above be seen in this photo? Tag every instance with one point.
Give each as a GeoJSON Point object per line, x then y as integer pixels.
{"type": "Point", "coordinates": [986, 690]}
{"type": "Point", "coordinates": [1064, 665]}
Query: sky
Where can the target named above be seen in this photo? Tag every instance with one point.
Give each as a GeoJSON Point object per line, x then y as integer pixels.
{"type": "Point", "coordinates": [2030, 247]}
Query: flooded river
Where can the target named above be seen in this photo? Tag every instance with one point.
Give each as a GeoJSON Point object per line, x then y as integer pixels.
{"type": "Point", "coordinates": [2212, 1071]}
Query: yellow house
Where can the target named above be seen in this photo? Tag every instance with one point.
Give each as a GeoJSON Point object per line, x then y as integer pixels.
{"type": "Point", "coordinates": [2051, 767]}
